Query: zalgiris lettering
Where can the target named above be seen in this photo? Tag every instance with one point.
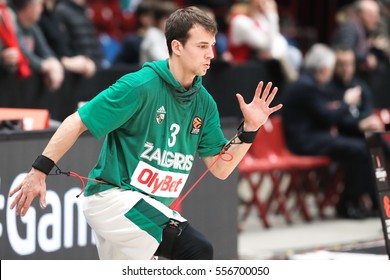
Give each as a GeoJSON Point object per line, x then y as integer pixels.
{"type": "Point", "coordinates": [167, 159]}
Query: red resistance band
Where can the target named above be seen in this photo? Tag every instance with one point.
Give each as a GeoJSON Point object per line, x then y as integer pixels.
{"type": "Point", "coordinates": [81, 178]}
{"type": "Point", "coordinates": [180, 199]}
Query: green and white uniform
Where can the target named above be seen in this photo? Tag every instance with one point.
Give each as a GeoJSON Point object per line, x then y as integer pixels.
{"type": "Point", "coordinates": [154, 127]}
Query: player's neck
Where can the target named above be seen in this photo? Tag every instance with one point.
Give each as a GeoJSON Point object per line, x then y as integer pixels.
{"type": "Point", "coordinates": [180, 73]}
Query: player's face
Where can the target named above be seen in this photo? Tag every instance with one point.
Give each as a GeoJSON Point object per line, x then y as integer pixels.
{"type": "Point", "coordinates": [198, 52]}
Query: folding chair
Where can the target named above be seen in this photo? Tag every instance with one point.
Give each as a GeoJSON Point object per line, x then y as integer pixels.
{"type": "Point", "coordinates": [270, 156]}
{"type": "Point", "coordinates": [310, 175]}
{"type": "Point", "coordinates": [262, 166]}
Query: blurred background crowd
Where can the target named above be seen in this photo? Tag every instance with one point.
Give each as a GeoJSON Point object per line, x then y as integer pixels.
{"type": "Point", "coordinates": [333, 57]}
{"type": "Point", "coordinates": [81, 36]}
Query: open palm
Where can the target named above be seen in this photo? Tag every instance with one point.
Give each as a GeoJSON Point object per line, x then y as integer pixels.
{"type": "Point", "coordinates": [257, 112]}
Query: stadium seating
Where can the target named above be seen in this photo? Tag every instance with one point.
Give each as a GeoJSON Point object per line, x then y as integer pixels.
{"type": "Point", "coordinates": [307, 175]}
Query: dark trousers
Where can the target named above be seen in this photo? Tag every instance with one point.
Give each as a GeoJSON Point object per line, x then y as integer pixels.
{"type": "Point", "coordinates": [352, 153]}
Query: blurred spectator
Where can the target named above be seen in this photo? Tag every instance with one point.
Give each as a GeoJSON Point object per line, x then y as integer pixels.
{"type": "Point", "coordinates": [11, 57]}
{"type": "Point", "coordinates": [80, 33]}
{"type": "Point", "coordinates": [385, 24]}
{"type": "Point", "coordinates": [222, 52]}
{"type": "Point", "coordinates": [34, 45]}
{"type": "Point", "coordinates": [311, 120]}
{"type": "Point", "coordinates": [219, 8]}
{"type": "Point", "coordinates": [52, 29]}
{"type": "Point", "coordinates": [345, 81]}
{"type": "Point", "coordinates": [57, 39]}
{"type": "Point", "coordinates": [382, 42]}
{"type": "Point", "coordinates": [154, 44]}
{"type": "Point", "coordinates": [363, 118]}
{"type": "Point", "coordinates": [361, 20]}
{"type": "Point", "coordinates": [255, 33]}
{"type": "Point", "coordinates": [131, 45]}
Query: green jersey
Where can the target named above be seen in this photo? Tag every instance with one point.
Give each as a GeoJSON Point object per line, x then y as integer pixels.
{"type": "Point", "coordinates": [154, 127]}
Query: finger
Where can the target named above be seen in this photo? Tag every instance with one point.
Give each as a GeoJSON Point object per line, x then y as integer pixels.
{"type": "Point", "coordinates": [27, 204]}
{"type": "Point", "coordinates": [16, 201]}
{"type": "Point", "coordinates": [259, 88]}
{"type": "Point", "coordinates": [266, 91]}
{"type": "Point", "coordinates": [42, 200]}
{"type": "Point", "coordinates": [272, 95]}
{"type": "Point", "coordinates": [15, 190]}
{"type": "Point", "coordinates": [240, 99]}
{"type": "Point", "coordinates": [276, 108]}
{"type": "Point", "coordinates": [20, 204]}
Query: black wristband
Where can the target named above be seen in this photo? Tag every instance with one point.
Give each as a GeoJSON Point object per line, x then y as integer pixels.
{"type": "Point", "coordinates": [43, 164]}
{"type": "Point", "coordinates": [246, 136]}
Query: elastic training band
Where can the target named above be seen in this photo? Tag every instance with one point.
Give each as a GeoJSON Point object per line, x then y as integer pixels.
{"type": "Point", "coordinates": [81, 178]}
{"type": "Point", "coordinates": [180, 199]}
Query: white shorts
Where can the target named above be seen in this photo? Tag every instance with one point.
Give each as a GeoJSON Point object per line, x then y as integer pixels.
{"type": "Point", "coordinates": [127, 224]}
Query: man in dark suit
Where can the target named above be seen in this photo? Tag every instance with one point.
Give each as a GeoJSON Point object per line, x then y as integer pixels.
{"type": "Point", "coordinates": [344, 81]}
{"type": "Point", "coordinates": [355, 32]}
{"type": "Point", "coordinates": [311, 121]}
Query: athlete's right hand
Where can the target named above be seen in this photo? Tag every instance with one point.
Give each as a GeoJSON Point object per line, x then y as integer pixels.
{"type": "Point", "coordinates": [33, 184]}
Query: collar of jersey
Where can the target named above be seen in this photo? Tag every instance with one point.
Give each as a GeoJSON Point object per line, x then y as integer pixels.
{"type": "Point", "coordinates": [180, 93]}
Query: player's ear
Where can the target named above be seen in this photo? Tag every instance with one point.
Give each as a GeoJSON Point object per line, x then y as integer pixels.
{"type": "Point", "coordinates": [176, 47]}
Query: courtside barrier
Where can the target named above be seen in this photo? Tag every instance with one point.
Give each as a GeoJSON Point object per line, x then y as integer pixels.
{"type": "Point", "coordinates": [379, 169]}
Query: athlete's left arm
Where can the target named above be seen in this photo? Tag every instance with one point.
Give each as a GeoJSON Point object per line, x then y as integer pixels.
{"type": "Point", "coordinates": [255, 115]}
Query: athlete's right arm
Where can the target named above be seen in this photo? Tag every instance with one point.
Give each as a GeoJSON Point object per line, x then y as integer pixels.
{"type": "Point", "coordinates": [34, 183]}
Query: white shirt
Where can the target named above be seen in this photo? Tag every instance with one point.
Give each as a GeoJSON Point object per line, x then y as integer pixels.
{"type": "Point", "coordinates": [153, 46]}
{"type": "Point", "coordinates": [261, 33]}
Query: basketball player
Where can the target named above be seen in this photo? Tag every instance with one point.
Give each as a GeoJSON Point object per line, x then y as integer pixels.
{"type": "Point", "coordinates": [155, 121]}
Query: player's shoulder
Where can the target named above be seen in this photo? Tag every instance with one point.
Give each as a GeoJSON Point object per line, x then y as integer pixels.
{"type": "Point", "coordinates": [143, 76]}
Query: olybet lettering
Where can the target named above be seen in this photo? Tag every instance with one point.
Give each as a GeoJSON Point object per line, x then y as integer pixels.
{"type": "Point", "coordinates": [154, 181]}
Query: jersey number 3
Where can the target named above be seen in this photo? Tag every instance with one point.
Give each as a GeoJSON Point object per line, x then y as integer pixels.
{"type": "Point", "coordinates": [175, 128]}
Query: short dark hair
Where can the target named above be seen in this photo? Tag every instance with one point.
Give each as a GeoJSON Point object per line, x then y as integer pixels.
{"type": "Point", "coordinates": [18, 5]}
{"type": "Point", "coordinates": [145, 7]}
{"type": "Point", "coordinates": [342, 47]}
{"type": "Point", "coordinates": [182, 20]}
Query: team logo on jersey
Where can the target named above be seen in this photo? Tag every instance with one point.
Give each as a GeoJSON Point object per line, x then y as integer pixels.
{"type": "Point", "coordinates": [196, 125]}
{"type": "Point", "coordinates": [158, 182]}
{"type": "Point", "coordinates": [160, 116]}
